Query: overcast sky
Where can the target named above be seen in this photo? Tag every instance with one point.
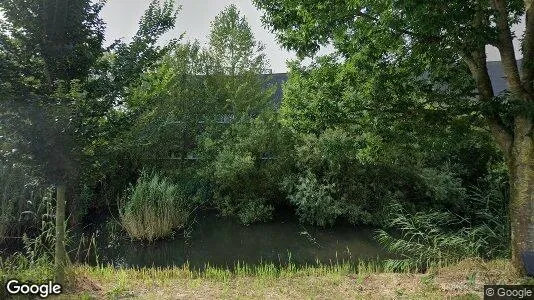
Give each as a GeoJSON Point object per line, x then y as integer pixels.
{"type": "Point", "coordinates": [194, 19]}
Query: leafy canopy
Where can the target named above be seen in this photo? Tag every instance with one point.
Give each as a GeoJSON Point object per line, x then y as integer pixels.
{"type": "Point", "coordinates": [59, 84]}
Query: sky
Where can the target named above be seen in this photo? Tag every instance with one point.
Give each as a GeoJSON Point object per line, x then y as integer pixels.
{"type": "Point", "coordinates": [194, 20]}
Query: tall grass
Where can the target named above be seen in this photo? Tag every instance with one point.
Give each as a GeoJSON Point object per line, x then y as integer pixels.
{"type": "Point", "coordinates": [13, 195]}
{"type": "Point", "coordinates": [35, 262]}
{"type": "Point", "coordinates": [153, 208]}
{"type": "Point", "coordinates": [22, 200]}
{"type": "Point", "coordinates": [435, 238]}
{"type": "Point", "coordinates": [262, 270]}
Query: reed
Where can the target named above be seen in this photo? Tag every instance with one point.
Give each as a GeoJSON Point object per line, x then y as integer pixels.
{"type": "Point", "coordinates": [154, 208]}
{"type": "Point", "coordinates": [434, 239]}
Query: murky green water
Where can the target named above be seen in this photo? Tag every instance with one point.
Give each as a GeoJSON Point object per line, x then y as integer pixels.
{"type": "Point", "coordinates": [223, 242]}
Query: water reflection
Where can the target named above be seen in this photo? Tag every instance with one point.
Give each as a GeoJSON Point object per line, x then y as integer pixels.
{"type": "Point", "coordinates": [223, 242]}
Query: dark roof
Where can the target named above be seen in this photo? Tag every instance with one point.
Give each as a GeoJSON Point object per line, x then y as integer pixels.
{"type": "Point", "coordinates": [496, 74]}
{"type": "Point", "coordinates": [277, 79]}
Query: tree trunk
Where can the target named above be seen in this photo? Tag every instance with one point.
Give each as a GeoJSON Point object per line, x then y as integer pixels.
{"type": "Point", "coordinates": [521, 166]}
{"type": "Point", "coordinates": [60, 256]}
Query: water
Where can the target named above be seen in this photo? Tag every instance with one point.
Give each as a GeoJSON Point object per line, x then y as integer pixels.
{"type": "Point", "coordinates": [224, 242]}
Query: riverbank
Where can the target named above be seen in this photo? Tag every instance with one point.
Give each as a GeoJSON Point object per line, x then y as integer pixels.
{"type": "Point", "coordinates": [464, 280]}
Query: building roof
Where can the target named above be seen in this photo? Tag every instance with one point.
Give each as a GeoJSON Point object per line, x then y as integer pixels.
{"type": "Point", "coordinates": [496, 74]}
{"type": "Point", "coordinates": [277, 79]}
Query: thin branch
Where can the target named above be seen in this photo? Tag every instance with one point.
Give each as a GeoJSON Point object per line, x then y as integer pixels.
{"type": "Point", "coordinates": [425, 38]}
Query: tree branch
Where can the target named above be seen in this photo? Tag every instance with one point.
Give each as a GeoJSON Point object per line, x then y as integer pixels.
{"type": "Point", "coordinates": [506, 49]}
{"type": "Point", "coordinates": [476, 62]}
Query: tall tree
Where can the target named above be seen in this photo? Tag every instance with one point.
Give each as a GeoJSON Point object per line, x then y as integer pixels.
{"type": "Point", "coordinates": [434, 40]}
{"type": "Point", "coordinates": [49, 47]}
{"type": "Point", "coordinates": [211, 103]}
{"type": "Point", "coordinates": [232, 151]}
{"type": "Point", "coordinates": [192, 86]}
{"type": "Point", "coordinates": [50, 66]}
{"type": "Point", "coordinates": [235, 62]}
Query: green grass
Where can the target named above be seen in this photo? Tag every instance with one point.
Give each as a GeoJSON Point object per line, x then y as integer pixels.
{"type": "Point", "coordinates": [25, 270]}
{"type": "Point", "coordinates": [337, 280]}
{"type": "Point", "coordinates": [361, 280]}
{"type": "Point", "coordinates": [264, 270]}
{"type": "Point", "coordinates": [437, 238]}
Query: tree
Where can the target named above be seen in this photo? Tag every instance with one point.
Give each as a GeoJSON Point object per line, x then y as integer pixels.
{"type": "Point", "coordinates": [165, 110]}
{"type": "Point", "coordinates": [213, 104]}
{"type": "Point", "coordinates": [49, 48]}
{"type": "Point", "coordinates": [433, 42]}
{"type": "Point", "coordinates": [232, 45]}
{"type": "Point", "coordinates": [50, 65]}
{"type": "Point", "coordinates": [238, 153]}
{"type": "Point", "coordinates": [103, 119]}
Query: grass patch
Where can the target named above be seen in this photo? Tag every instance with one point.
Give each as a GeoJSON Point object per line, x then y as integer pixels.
{"type": "Point", "coordinates": [265, 270]}
{"type": "Point", "coordinates": [362, 280]}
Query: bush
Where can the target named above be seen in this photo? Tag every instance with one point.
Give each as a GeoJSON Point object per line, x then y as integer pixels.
{"type": "Point", "coordinates": [247, 210]}
{"type": "Point", "coordinates": [338, 178]}
{"type": "Point", "coordinates": [154, 207]}
{"type": "Point", "coordinates": [246, 166]}
{"type": "Point", "coordinates": [443, 187]}
{"type": "Point", "coordinates": [255, 210]}
{"type": "Point", "coordinates": [314, 201]}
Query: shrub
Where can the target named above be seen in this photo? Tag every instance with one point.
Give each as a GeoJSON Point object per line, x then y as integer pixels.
{"type": "Point", "coordinates": [153, 208]}
{"type": "Point", "coordinates": [443, 187]}
{"type": "Point", "coordinates": [246, 166]}
{"type": "Point", "coordinates": [338, 178]}
{"type": "Point", "coordinates": [314, 201]}
{"type": "Point", "coordinates": [247, 210]}
{"type": "Point", "coordinates": [255, 210]}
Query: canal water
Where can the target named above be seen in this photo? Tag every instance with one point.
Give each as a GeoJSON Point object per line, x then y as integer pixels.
{"type": "Point", "coordinates": [224, 242]}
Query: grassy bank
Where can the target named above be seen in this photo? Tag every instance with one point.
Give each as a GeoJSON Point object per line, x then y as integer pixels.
{"type": "Point", "coordinates": [464, 280]}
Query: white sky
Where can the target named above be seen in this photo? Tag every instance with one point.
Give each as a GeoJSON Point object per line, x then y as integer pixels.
{"type": "Point", "coordinates": [194, 19]}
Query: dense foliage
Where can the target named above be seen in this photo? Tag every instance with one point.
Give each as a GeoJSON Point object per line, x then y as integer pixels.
{"type": "Point", "coordinates": [365, 136]}
{"type": "Point", "coordinates": [205, 117]}
{"type": "Point", "coordinates": [438, 50]}
{"type": "Point", "coordinates": [359, 156]}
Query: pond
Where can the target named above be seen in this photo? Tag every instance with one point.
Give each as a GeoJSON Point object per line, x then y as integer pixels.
{"type": "Point", "coordinates": [224, 242]}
